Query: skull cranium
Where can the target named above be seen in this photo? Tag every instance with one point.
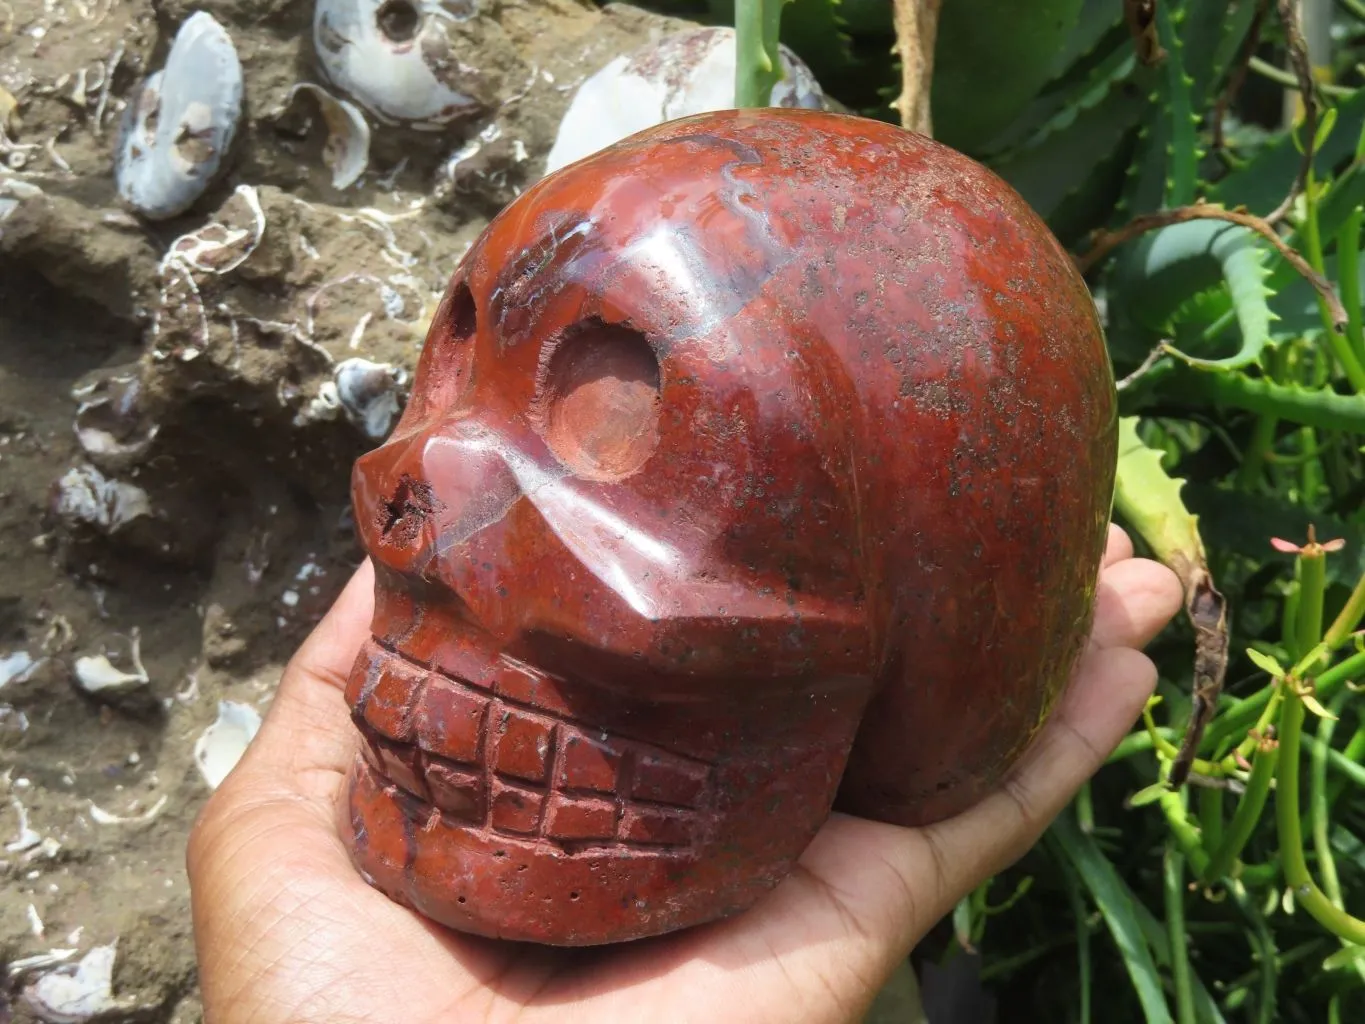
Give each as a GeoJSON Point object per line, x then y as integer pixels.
{"type": "Point", "coordinates": [762, 458]}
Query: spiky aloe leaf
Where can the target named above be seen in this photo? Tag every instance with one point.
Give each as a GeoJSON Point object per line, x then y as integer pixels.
{"type": "Point", "coordinates": [1097, 19]}
{"type": "Point", "coordinates": [1165, 268]}
{"type": "Point", "coordinates": [867, 17]}
{"type": "Point", "coordinates": [1165, 171]}
{"type": "Point", "coordinates": [1144, 189]}
{"type": "Point", "coordinates": [991, 58]}
{"type": "Point", "coordinates": [1180, 388]}
{"type": "Point", "coordinates": [1090, 202]}
{"type": "Point", "coordinates": [1055, 165]}
{"type": "Point", "coordinates": [1058, 109]}
{"type": "Point", "coordinates": [1182, 170]}
{"type": "Point", "coordinates": [1229, 31]}
{"type": "Point", "coordinates": [1149, 500]}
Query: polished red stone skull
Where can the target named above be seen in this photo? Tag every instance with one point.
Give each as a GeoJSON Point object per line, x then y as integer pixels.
{"type": "Point", "coordinates": [761, 459]}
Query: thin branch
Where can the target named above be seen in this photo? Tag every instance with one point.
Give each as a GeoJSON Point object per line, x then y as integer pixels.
{"type": "Point", "coordinates": [1153, 357]}
{"type": "Point", "coordinates": [1239, 73]}
{"type": "Point", "coordinates": [916, 30]}
{"type": "Point", "coordinates": [1298, 57]}
{"type": "Point", "coordinates": [1282, 77]}
{"type": "Point", "coordinates": [1107, 241]}
{"type": "Point", "coordinates": [1140, 16]}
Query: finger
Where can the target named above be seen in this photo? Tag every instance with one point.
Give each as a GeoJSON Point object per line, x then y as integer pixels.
{"type": "Point", "coordinates": [1135, 600]}
{"type": "Point", "coordinates": [1105, 699]}
{"type": "Point", "coordinates": [1119, 545]}
{"type": "Point", "coordinates": [330, 650]}
{"type": "Point", "coordinates": [307, 739]}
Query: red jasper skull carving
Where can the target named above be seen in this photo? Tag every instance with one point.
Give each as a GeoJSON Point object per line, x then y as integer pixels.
{"type": "Point", "coordinates": [760, 460]}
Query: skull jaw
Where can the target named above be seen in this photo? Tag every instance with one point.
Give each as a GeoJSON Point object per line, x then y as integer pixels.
{"type": "Point", "coordinates": [513, 889]}
{"type": "Point", "coordinates": [670, 840]}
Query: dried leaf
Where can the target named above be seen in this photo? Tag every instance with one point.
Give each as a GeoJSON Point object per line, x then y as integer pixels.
{"type": "Point", "coordinates": [1150, 501]}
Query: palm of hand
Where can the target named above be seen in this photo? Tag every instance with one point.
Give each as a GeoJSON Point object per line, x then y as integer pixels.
{"type": "Point", "coordinates": [287, 930]}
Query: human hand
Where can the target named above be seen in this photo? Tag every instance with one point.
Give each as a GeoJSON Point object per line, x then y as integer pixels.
{"type": "Point", "coordinates": [287, 931]}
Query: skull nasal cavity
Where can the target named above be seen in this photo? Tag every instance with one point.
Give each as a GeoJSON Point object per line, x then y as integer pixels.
{"type": "Point", "coordinates": [398, 20]}
{"type": "Point", "coordinates": [600, 400]}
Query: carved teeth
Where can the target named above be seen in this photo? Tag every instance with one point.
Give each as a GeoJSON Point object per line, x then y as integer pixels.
{"type": "Point", "coordinates": [489, 762]}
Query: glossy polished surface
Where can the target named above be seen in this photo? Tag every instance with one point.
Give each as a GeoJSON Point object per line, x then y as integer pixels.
{"type": "Point", "coordinates": [762, 459]}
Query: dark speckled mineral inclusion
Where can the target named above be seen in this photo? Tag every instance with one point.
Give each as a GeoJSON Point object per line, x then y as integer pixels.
{"type": "Point", "coordinates": [756, 465]}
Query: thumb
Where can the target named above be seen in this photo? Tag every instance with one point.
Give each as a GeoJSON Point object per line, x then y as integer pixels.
{"type": "Point", "coordinates": [307, 740]}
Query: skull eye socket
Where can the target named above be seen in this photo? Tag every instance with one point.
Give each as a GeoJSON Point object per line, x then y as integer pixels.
{"type": "Point", "coordinates": [598, 402]}
{"type": "Point", "coordinates": [460, 318]}
{"type": "Point", "coordinates": [443, 371]}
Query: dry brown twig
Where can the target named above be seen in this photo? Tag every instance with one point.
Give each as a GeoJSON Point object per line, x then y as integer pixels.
{"type": "Point", "coordinates": [916, 30]}
{"type": "Point", "coordinates": [1140, 16]}
{"type": "Point", "coordinates": [1107, 241]}
{"type": "Point", "coordinates": [1303, 71]}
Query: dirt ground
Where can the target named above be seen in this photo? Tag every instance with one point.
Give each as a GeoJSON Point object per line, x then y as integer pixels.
{"type": "Point", "coordinates": [176, 434]}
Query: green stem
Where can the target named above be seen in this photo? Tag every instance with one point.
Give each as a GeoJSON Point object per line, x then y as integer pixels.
{"type": "Point", "coordinates": [1253, 738]}
{"type": "Point", "coordinates": [1310, 470]}
{"type": "Point", "coordinates": [1263, 948]}
{"type": "Point", "coordinates": [1080, 914]}
{"type": "Point", "coordinates": [1348, 277]}
{"type": "Point", "coordinates": [1258, 447]}
{"type": "Point", "coordinates": [1211, 816]}
{"type": "Point", "coordinates": [1347, 769]}
{"type": "Point", "coordinates": [1318, 805]}
{"type": "Point", "coordinates": [757, 65]}
{"type": "Point", "coordinates": [1244, 819]}
{"type": "Point", "coordinates": [1175, 926]}
{"type": "Point", "coordinates": [1356, 7]}
{"type": "Point", "coordinates": [1283, 77]}
{"type": "Point", "coordinates": [1312, 587]}
{"type": "Point", "coordinates": [1348, 618]}
{"type": "Point", "coordinates": [1339, 344]}
{"type": "Point", "coordinates": [1085, 809]}
{"type": "Point", "coordinates": [1183, 832]}
{"type": "Point", "coordinates": [1351, 754]}
{"type": "Point", "coordinates": [1295, 866]}
{"type": "Point", "coordinates": [1244, 715]}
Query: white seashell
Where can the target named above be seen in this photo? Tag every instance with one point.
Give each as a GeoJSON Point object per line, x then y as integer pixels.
{"type": "Point", "coordinates": [74, 993]}
{"type": "Point", "coordinates": [108, 425]}
{"type": "Point", "coordinates": [26, 838]}
{"type": "Point", "coordinates": [51, 958]}
{"type": "Point", "coordinates": [12, 193]}
{"type": "Point", "coordinates": [347, 150]}
{"type": "Point", "coordinates": [17, 667]}
{"type": "Point", "coordinates": [369, 394]}
{"type": "Point", "coordinates": [223, 743]}
{"type": "Point", "coordinates": [691, 72]}
{"type": "Point", "coordinates": [102, 817]}
{"type": "Point", "coordinates": [97, 673]}
{"type": "Point", "coordinates": [182, 122]}
{"type": "Point", "coordinates": [394, 57]}
{"type": "Point", "coordinates": [85, 495]}
{"type": "Point", "coordinates": [220, 246]}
